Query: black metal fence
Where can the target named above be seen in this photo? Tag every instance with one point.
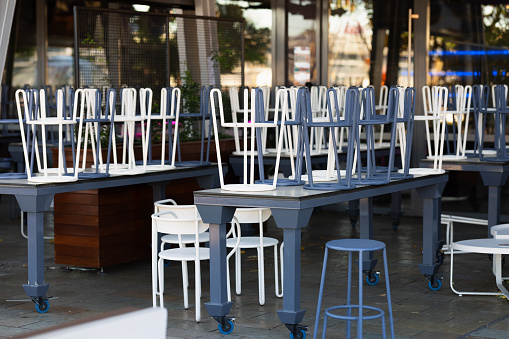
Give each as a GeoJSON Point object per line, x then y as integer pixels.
{"type": "Point", "coordinates": [123, 48]}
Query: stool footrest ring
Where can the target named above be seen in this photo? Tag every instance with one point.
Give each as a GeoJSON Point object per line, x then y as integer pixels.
{"type": "Point", "coordinates": [328, 313]}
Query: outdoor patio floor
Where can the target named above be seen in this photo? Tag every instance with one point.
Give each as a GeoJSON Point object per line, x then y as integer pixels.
{"type": "Point", "coordinates": [418, 311]}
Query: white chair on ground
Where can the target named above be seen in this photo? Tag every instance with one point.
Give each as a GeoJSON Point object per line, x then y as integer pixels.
{"type": "Point", "coordinates": [169, 205]}
{"type": "Point", "coordinates": [180, 221]}
{"type": "Point", "coordinates": [449, 221]}
{"type": "Point", "coordinates": [259, 216]}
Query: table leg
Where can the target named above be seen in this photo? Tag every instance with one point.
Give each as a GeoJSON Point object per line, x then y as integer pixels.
{"type": "Point", "coordinates": [35, 206]}
{"type": "Point", "coordinates": [494, 181]}
{"type": "Point", "coordinates": [291, 221]}
{"type": "Point", "coordinates": [209, 181]}
{"type": "Point", "coordinates": [353, 211]}
{"type": "Point", "coordinates": [432, 257]}
{"type": "Point", "coordinates": [395, 212]}
{"type": "Point", "coordinates": [494, 193]}
{"type": "Point", "coordinates": [366, 232]}
{"type": "Point", "coordinates": [218, 217]}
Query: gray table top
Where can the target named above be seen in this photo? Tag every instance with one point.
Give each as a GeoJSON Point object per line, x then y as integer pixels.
{"type": "Point", "coordinates": [23, 187]}
{"type": "Point", "coordinates": [296, 197]}
{"type": "Point", "coordinates": [470, 164]}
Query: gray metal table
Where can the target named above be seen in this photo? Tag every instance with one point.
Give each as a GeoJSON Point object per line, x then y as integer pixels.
{"type": "Point", "coordinates": [494, 175]}
{"type": "Point", "coordinates": [292, 208]}
{"type": "Point", "coordinates": [319, 160]}
{"type": "Point", "coordinates": [35, 199]}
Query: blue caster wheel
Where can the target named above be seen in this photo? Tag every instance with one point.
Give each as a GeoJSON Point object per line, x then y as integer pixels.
{"type": "Point", "coordinates": [436, 285]}
{"type": "Point", "coordinates": [373, 280]}
{"type": "Point", "coordinates": [300, 335]}
{"type": "Point", "coordinates": [227, 329]}
{"type": "Point", "coordinates": [395, 224]}
{"type": "Point", "coordinates": [43, 308]}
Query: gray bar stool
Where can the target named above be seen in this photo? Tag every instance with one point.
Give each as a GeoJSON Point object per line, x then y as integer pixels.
{"type": "Point", "coordinates": [361, 246]}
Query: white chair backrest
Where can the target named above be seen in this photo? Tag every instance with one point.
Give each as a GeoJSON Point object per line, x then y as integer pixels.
{"type": "Point", "coordinates": [179, 220]}
{"type": "Point", "coordinates": [252, 215]}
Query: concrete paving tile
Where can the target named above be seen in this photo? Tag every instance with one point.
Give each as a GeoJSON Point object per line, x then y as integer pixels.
{"type": "Point", "coordinates": [7, 332]}
{"type": "Point", "coordinates": [436, 334]}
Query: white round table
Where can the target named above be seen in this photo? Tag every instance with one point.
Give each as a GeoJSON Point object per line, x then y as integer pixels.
{"type": "Point", "coordinates": [497, 247]}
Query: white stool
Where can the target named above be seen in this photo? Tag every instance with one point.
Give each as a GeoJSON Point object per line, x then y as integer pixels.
{"type": "Point", "coordinates": [500, 231]}
{"type": "Point", "coordinates": [497, 247]}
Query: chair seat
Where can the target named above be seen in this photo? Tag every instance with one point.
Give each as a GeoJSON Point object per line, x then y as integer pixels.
{"type": "Point", "coordinates": [251, 242]}
{"type": "Point", "coordinates": [185, 254]}
{"type": "Point", "coordinates": [186, 238]}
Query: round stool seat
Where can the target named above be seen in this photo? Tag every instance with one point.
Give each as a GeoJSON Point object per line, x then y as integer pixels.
{"type": "Point", "coordinates": [500, 231]}
{"type": "Point", "coordinates": [355, 245]}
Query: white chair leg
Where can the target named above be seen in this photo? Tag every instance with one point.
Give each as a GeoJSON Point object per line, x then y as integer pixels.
{"type": "Point", "coordinates": [261, 276]}
{"type": "Point", "coordinates": [161, 281]}
{"type": "Point", "coordinates": [276, 272]}
{"type": "Point", "coordinates": [228, 284]}
{"type": "Point", "coordinates": [197, 289]}
{"type": "Point", "coordinates": [238, 286]}
{"type": "Point", "coordinates": [185, 284]}
{"type": "Point", "coordinates": [281, 251]}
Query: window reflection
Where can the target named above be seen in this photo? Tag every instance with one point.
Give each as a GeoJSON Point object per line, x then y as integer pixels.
{"type": "Point", "coordinates": [350, 37]}
{"type": "Point", "coordinates": [301, 41]}
{"type": "Point", "coordinates": [257, 37]}
{"type": "Point", "coordinates": [24, 67]}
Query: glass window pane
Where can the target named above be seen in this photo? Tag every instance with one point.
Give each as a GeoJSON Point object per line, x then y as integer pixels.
{"type": "Point", "coordinates": [350, 36]}
{"type": "Point", "coordinates": [257, 37]}
{"type": "Point", "coordinates": [301, 42]}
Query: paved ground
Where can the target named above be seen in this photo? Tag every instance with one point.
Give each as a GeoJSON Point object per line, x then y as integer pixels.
{"type": "Point", "coordinates": [418, 312]}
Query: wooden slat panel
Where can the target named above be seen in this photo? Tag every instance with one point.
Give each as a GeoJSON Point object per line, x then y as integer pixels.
{"type": "Point", "coordinates": [75, 209]}
{"type": "Point", "coordinates": [74, 198]}
{"type": "Point", "coordinates": [76, 240]}
{"type": "Point", "coordinates": [77, 230]}
{"type": "Point", "coordinates": [71, 219]}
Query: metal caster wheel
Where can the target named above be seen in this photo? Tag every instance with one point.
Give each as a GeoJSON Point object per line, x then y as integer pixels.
{"type": "Point", "coordinates": [353, 221]}
{"type": "Point", "coordinates": [372, 279]}
{"type": "Point", "coordinates": [395, 224]}
{"type": "Point", "coordinates": [42, 307]}
{"type": "Point", "coordinates": [435, 285]}
{"type": "Point", "coordinates": [300, 335]}
{"type": "Point", "coordinates": [227, 328]}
